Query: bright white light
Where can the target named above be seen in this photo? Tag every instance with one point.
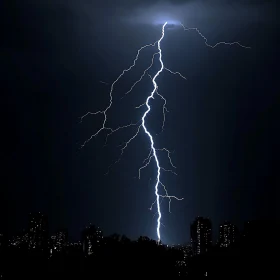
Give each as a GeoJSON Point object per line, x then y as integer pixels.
{"type": "Point", "coordinates": [150, 136]}
{"type": "Point", "coordinates": [141, 124]}
{"type": "Point", "coordinates": [162, 21]}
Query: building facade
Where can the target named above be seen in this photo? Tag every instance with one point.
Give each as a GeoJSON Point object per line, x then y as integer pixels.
{"type": "Point", "coordinates": [227, 234]}
{"type": "Point", "coordinates": [38, 232]}
{"type": "Point", "coordinates": [92, 238]}
{"type": "Point", "coordinates": [201, 235]}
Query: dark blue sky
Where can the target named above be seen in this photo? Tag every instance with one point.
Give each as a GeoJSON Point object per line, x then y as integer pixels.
{"type": "Point", "coordinates": [222, 123]}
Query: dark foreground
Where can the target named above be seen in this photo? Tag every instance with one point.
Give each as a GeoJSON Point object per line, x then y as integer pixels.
{"type": "Point", "coordinates": [255, 254]}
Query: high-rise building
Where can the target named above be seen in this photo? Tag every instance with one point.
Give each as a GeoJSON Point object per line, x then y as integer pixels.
{"type": "Point", "coordinates": [38, 232]}
{"type": "Point", "coordinates": [227, 234]}
{"type": "Point", "coordinates": [58, 242]}
{"type": "Point", "coordinates": [201, 235]}
{"type": "Point", "coordinates": [20, 240]}
{"type": "Point", "coordinates": [61, 240]}
{"type": "Point", "coordinates": [92, 238]}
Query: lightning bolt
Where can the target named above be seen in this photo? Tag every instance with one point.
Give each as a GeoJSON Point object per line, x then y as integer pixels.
{"type": "Point", "coordinates": [217, 44]}
{"type": "Point", "coordinates": [149, 134]}
{"type": "Point", "coordinates": [141, 124]}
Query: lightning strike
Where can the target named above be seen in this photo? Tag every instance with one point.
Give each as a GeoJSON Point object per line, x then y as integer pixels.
{"type": "Point", "coordinates": [104, 112]}
{"type": "Point", "coordinates": [142, 76]}
{"type": "Point", "coordinates": [168, 155]}
{"type": "Point", "coordinates": [141, 124]}
{"type": "Point", "coordinates": [175, 73]}
{"type": "Point", "coordinates": [217, 44]}
{"type": "Point", "coordinates": [154, 152]}
{"type": "Point", "coordinates": [164, 108]}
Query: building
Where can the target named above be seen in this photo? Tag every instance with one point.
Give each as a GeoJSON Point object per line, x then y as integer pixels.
{"type": "Point", "coordinates": [92, 238]}
{"type": "Point", "coordinates": [228, 234]}
{"type": "Point", "coordinates": [19, 241]}
{"type": "Point", "coordinates": [201, 235]}
{"type": "Point", "coordinates": [186, 250]}
{"type": "Point", "coordinates": [58, 242]}
{"type": "Point", "coordinates": [61, 240]}
{"type": "Point", "coordinates": [38, 232]}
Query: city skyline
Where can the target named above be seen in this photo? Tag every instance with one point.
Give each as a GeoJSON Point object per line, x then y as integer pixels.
{"type": "Point", "coordinates": [116, 254]}
{"type": "Point", "coordinates": [38, 224]}
{"type": "Point", "coordinates": [140, 138]}
{"type": "Point", "coordinates": [221, 126]}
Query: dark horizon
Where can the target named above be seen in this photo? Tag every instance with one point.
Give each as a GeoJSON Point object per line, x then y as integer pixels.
{"type": "Point", "coordinates": [52, 232]}
{"type": "Point", "coordinates": [237, 254]}
{"type": "Point", "coordinates": [222, 124]}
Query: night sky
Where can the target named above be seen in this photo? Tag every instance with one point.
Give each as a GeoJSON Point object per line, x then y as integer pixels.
{"type": "Point", "coordinates": [223, 122]}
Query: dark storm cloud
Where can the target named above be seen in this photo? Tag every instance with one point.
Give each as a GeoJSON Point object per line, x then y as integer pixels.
{"type": "Point", "coordinates": [189, 11]}
{"type": "Point", "coordinates": [158, 11]}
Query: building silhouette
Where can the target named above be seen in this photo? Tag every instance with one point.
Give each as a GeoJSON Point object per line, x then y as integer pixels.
{"type": "Point", "coordinates": [228, 234]}
{"type": "Point", "coordinates": [201, 235]}
{"type": "Point", "coordinates": [92, 239]}
{"type": "Point", "coordinates": [38, 232]}
{"type": "Point", "coordinates": [58, 242]}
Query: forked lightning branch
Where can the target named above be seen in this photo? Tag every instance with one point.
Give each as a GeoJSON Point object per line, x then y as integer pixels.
{"type": "Point", "coordinates": [160, 189]}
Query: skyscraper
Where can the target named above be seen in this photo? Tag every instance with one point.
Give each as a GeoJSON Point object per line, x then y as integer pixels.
{"type": "Point", "coordinates": [59, 241]}
{"type": "Point", "coordinates": [227, 234]}
{"type": "Point", "coordinates": [201, 235]}
{"type": "Point", "coordinates": [38, 232]}
{"type": "Point", "coordinates": [92, 238]}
